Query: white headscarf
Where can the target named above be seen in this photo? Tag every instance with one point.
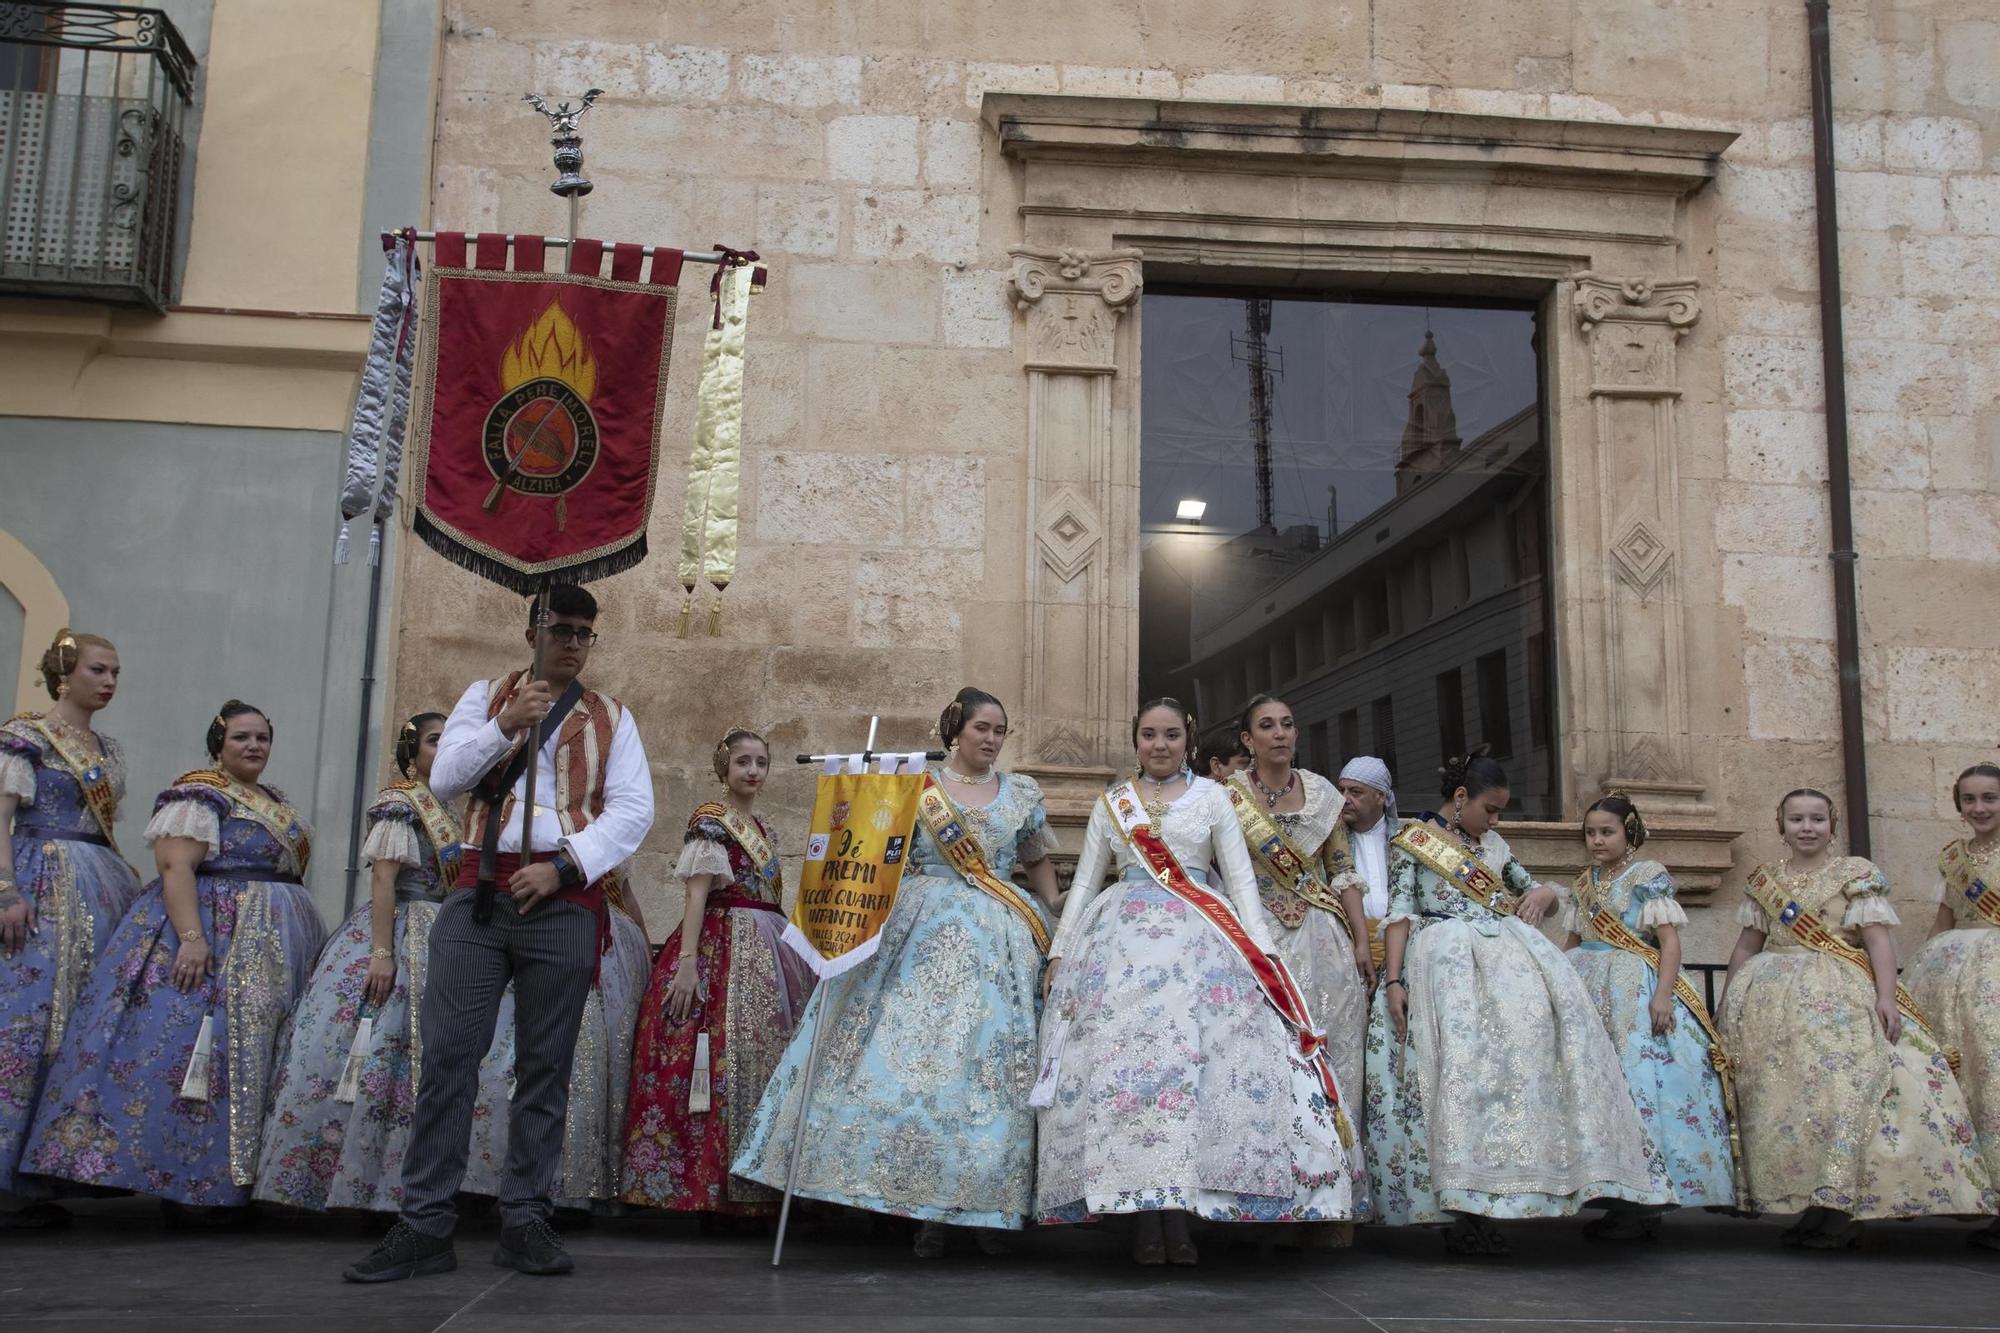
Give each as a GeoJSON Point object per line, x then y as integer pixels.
{"type": "Point", "coordinates": [1369, 771]}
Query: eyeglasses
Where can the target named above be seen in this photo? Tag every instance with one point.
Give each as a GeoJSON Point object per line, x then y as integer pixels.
{"type": "Point", "coordinates": [577, 634]}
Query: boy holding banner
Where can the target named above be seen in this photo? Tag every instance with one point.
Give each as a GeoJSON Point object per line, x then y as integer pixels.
{"type": "Point", "coordinates": [544, 931]}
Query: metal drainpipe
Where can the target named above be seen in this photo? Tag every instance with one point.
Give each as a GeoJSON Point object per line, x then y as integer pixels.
{"type": "Point", "coordinates": [1840, 484]}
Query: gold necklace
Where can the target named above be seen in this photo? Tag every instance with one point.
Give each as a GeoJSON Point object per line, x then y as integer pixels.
{"type": "Point", "coordinates": [1979, 853]}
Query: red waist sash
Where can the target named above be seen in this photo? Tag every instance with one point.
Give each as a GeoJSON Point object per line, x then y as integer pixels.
{"type": "Point", "coordinates": [590, 896]}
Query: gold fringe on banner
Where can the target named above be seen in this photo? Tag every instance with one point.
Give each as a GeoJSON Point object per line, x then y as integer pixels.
{"type": "Point", "coordinates": [708, 528]}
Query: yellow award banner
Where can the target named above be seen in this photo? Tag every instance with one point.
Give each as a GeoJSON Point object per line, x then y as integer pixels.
{"type": "Point", "coordinates": [861, 830]}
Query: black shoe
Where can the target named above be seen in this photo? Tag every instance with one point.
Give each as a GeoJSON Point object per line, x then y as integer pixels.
{"type": "Point", "coordinates": [404, 1252]}
{"type": "Point", "coordinates": [534, 1249]}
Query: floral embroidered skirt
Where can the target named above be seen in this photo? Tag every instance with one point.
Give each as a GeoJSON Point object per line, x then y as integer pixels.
{"type": "Point", "coordinates": [1503, 1044]}
{"type": "Point", "coordinates": [752, 991]}
{"type": "Point", "coordinates": [920, 1108]}
{"type": "Point", "coordinates": [1175, 1088]}
{"type": "Point", "coordinates": [111, 1113]}
{"type": "Point", "coordinates": [1955, 980]}
{"type": "Point", "coordinates": [80, 891]}
{"type": "Point", "coordinates": [1673, 1083]}
{"type": "Point", "coordinates": [1831, 1114]}
{"type": "Point", "coordinates": [320, 1153]}
{"type": "Point", "coordinates": [1320, 957]}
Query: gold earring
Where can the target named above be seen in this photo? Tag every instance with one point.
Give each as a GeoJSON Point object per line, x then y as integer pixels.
{"type": "Point", "coordinates": [62, 688]}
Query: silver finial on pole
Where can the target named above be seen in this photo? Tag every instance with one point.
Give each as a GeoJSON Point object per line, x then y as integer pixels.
{"type": "Point", "coordinates": [567, 140]}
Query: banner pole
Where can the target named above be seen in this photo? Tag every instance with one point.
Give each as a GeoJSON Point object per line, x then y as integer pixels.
{"type": "Point", "coordinates": [835, 1001]}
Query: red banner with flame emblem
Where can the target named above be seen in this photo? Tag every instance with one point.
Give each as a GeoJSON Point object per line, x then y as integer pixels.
{"type": "Point", "coordinates": [538, 402]}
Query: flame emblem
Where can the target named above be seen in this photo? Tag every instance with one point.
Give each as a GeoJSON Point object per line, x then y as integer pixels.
{"type": "Point", "coordinates": [540, 437]}
{"type": "Point", "coordinates": [551, 348]}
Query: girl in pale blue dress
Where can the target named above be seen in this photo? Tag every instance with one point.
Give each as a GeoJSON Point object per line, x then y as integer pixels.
{"type": "Point", "coordinates": [920, 1106]}
{"type": "Point", "coordinates": [1663, 1042]}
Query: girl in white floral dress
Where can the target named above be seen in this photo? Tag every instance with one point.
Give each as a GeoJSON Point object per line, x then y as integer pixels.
{"type": "Point", "coordinates": [1171, 1083]}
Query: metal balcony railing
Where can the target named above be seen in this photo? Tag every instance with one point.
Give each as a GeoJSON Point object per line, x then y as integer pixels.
{"type": "Point", "coordinates": [94, 107]}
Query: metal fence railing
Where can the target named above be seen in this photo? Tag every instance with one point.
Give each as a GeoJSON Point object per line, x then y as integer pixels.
{"type": "Point", "coordinates": [94, 109]}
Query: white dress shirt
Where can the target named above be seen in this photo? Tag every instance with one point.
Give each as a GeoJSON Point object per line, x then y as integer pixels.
{"type": "Point", "coordinates": [472, 743]}
{"type": "Point", "coordinates": [1371, 862]}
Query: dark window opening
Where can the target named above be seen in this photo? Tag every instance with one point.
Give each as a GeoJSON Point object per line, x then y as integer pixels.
{"type": "Point", "coordinates": [1496, 719]}
{"type": "Point", "coordinates": [1342, 495]}
{"type": "Point", "coordinates": [1450, 714]}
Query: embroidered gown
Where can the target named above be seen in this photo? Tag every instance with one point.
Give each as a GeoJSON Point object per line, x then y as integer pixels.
{"type": "Point", "coordinates": [1673, 1083]}
{"type": "Point", "coordinates": [1831, 1114]}
{"type": "Point", "coordinates": [593, 1123]}
{"type": "Point", "coordinates": [79, 887]}
{"type": "Point", "coordinates": [321, 1153]}
{"type": "Point", "coordinates": [1318, 950]}
{"type": "Point", "coordinates": [1176, 1088]}
{"type": "Point", "coordinates": [1505, 1099]}
{"type": "Point", "coordinates": [1955, 980]}
{"type": "Point", "coordinates": [920, 1108]}
{"type": "Point", "coordinates": [752, 992]}
{"type": "Point", "coordinates": [112, 1114]}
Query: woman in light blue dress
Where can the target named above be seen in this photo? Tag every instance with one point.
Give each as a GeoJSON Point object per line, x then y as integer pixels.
{"type": "Point", "coordinates": [60, 785]}
{"type": "Point", "coordinates": [920, 1107]}
{"type": "Point", "coordinates": [1663, 1042]}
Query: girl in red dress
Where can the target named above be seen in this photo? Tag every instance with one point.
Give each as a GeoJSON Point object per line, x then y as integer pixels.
{"type": "Point", "coordinates": [720, 1008]}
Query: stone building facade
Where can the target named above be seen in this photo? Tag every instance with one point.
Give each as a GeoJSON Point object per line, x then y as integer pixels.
{"type": "Point", "coordinates": [962, 205]}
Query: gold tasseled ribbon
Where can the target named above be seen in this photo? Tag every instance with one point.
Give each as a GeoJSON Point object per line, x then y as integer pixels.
{"type": "Point", "coordinates": [708, 527]}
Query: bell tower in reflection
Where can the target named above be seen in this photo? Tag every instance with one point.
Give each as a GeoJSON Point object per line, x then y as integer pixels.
{"type": "Point", "coordinates": [1430, 435]}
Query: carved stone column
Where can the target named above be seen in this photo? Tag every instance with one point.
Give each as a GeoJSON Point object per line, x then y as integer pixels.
{"type": "Point", "coordinates": [1632, 328]}
{"type": "Point", "coordinates": [1082, 502]}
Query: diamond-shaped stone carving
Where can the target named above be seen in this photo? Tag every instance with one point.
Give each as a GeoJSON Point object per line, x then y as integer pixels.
{"type": "Point", "coordinates": [1642, 558]}
{"type": "Point", "coordinates": [1069, 533]}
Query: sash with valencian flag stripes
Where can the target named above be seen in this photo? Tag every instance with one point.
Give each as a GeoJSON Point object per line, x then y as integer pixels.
{"type": "Point", "coordinates": [1957, 866]}
{"type": "Point", "coordinates": [1128, 815]}
{"type": "Point", "coordinates": [1767, 890]}
{"type": "Point", "coordinates": [960, 845]}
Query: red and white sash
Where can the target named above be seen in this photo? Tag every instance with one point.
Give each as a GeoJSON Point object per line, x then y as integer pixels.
{"type": "Point", "coordinates": [1129, 815]}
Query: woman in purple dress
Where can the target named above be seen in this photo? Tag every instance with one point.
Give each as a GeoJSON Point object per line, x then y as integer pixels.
{"type": "Point", "coordinates": [164, 1074]}
{"type": "Point", "coordinates": [60, 785]}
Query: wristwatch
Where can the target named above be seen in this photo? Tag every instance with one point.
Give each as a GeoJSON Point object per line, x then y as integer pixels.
{"type": "Point", "coordinates": [568, 873]}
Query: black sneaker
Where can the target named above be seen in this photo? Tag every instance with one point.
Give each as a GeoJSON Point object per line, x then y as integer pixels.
{"type": "Point", "coordinates": [404, 1252]}
{"type": "Point", "coordinates": [535, 1249]}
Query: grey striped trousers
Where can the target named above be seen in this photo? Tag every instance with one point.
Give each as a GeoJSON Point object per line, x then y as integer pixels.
{"type": "Point", "coordinates": [551, 957]}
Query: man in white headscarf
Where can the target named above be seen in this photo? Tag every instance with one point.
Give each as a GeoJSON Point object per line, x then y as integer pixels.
{"type": "Point", "coordinates": [1370, 816]}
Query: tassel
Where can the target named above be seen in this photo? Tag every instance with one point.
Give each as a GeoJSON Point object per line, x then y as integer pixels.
{"type": "Point", "coordinates": [194, 1084]}
{"type": "Point", "coordinates": [715, 615]}
{"type": "Point", "coordinates": [350, 1073]}
{"type": "Point", "coordinates": [687, 611]}
{"type": "Point", "coordinates": [698, 1088]}
{"type": "Point", "coordinates": [374, 545]}
{"type": "Point", "coordinates": [340, 546]}
{"type": "Point", "coordinates": [1043, 1094]}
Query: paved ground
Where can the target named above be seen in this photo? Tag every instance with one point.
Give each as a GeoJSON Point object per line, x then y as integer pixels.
{"type": "Point", "coordinates": [117, 1269]}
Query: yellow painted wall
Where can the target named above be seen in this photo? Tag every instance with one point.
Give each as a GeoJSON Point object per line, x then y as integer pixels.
{"type": "Point", "coordinates": [284, 149]}
{"type": "Point", "coordinates": [279, 187]}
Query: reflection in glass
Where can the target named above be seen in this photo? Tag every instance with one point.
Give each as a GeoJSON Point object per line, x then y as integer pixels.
{"type": "Point", "coordinates": [1345, 503]}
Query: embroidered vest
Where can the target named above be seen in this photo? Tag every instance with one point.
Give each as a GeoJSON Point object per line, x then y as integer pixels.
{"type": "Point", "coordinates": [582, 747]}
